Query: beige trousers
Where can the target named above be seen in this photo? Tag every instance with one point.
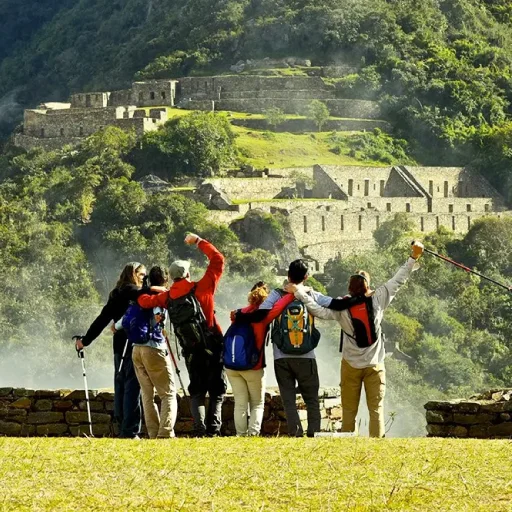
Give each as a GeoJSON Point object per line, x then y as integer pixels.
{"type": "Point", "coordinates": [374, 380]}
{"type": "Point", "coordinates": [154, 371]}
{"type": "Point", "coordinates": [249, 392]}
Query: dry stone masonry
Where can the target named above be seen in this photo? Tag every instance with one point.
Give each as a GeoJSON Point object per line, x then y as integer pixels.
{"type": "Point", "coordinates": [488, 415]}
{"type": "Point", "coordinates": [53, 125]}
{"type": "Point", "coordinates": [27, 412]}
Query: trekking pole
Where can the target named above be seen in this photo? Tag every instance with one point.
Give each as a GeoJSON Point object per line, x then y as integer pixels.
{"type": "Point", "coordinates": [81, 356]}
{"type": "Point", "coordinates": [122, 357]}
{"type": "Point", "coordinates": [178, 372]}
{"type": "Point", "coordinates": [466, 269]}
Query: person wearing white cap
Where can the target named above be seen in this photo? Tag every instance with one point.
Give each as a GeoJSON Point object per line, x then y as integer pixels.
{"type": "Point", "coordinates": [192, 315]}
{"type": "Point", "coordinates": [362, 342]}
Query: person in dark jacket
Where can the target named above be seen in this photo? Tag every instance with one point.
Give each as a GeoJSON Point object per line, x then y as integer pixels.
{"type": "Point", "coordinates": [205, 370]}
{"type": "Point", "coordinates": [127, 410]}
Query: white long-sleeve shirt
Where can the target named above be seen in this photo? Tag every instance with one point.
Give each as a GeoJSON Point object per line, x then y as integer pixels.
{"type": "Point", "coordinates": [355, 356]}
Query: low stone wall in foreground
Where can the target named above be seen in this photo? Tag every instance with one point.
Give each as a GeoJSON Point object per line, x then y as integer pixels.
{"type": "Point", "coordinates": [484, 416]}
{"type": "Point", "coordinates": [27, 412]}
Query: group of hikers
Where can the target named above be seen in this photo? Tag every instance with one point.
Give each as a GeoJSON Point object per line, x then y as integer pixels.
{"type": "Point", "coordinates": [285, 316]}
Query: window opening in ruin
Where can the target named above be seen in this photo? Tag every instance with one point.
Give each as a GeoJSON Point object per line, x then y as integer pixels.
{"type": "Point", "coordinates": [358, 187]}
{"type": "Point", "coordinates": [305, 224]}
{"type": "Point", "coordinates": [141, 96]}
{"type": "Point", "coordinates": [152, 95]}
{"type": "Point", "coordinates": [430, 187]}
{"type": "Point", "coordinates": [469, 222]}
{"type": "Point", "coordinates": [317, 266]}
{"type": "Point", "coordinates": [437, 222]}
{"type": "Point", "coordinates": [81, 130]}
{"type": "Point", "coordinates": [486, 207]}
{"type": "Point", "coordinates": [350, 187]}
{"type": "Point", "coordinates": [342, 225]}
{"type": "Point", "coordinates": [422, 224]}
{"type": "Point", "coordinates": [62, 132]}
{"type": "Point", "coordinates": [377, 221]}
{"type": "Point", "coordinates": [453, 223]}
{"type": "Point", "coordinates": [382, 185]}
{"type": "Point", "coordinates": [445, 189]}
{"type": "Point", "coordinates": [163, 95]}
{"type": "Point", "coordinates": [328, 208]}
{"type": "Point", "coordinates": [408, 207]}
{"type": "Point", "coordinates": [88, 100]}
{"type": "Point", "coordinates": [323, 223]}
{"type": "Point", "coordinates": [368, 205]}
{"type": "Point", "coordinates": [468, 207]}
{"type": "Point", "coordinates": [360, 222]}
{"type": "Point", "coordinates": [374, 186]}
{"type": "Point", "coordinates": [42, 132]}
{"type": "Point", "coordinates": [450, 208]}
{"type": "Point", "coordinates": [388, 207]}
{"type": "Point", "coordinates": [438, 189]}
{"type": "Point", "coordinates": [366, 187]}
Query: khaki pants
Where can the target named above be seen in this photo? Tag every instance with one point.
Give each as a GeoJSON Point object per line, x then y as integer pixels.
{"type": "Point", "coordinates": [374, 380]}
{"type": "Point", "coordinates": [248, 390]}
{"type": "Point", "coordinates": [154, 371]}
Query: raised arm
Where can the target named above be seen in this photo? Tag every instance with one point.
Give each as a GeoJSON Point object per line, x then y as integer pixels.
{"type": "Point", "coordinates": [215, 266]}
{"type": "Point", "coordinates": [386, 293]}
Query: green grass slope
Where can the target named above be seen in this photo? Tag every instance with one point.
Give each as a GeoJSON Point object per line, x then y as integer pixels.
{"type": "Point", "coordinates": [230, 474]}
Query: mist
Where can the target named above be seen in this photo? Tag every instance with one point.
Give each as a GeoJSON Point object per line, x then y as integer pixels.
{"type": "Point", "coordinates": [47, 360]}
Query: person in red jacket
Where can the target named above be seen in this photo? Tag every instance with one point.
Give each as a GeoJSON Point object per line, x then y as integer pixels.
{"type": "Point", "coordinates": [205, 368]}
{"type": "Point", "coordinates": [249, 385]}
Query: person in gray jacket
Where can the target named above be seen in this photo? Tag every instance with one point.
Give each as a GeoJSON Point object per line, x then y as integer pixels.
{"type": "Point", "coordinates": [362, 347]}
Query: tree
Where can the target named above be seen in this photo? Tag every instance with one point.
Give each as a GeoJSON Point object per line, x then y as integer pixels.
{"type": "Point", "coordinates": [199, 144]}
{"type": "Point", "coordinates": [318, 113]}
{"type": "Point", "coordinates": [302, 181]}
{"type": "Point", "coordinates": [274, 116]}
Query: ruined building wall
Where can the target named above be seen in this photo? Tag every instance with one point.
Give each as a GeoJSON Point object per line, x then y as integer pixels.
{"type": "Point", "coordinates": [153, 93]}
{"type": "Point", "coordinates": [90, 100]}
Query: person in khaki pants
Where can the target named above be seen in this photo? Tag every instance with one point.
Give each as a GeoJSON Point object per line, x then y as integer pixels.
{"type": "Point", "coordinates": [152, 362]}
{"type": "Point", "coordinates": [363, 345]}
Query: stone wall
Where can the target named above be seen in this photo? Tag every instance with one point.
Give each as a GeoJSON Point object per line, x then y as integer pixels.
{"type": "Point", "coordinates": [214, 86]}
{"type": "Point", "coordinates": [306, 125]}
{"type": "Point", "coordinates": [154, 93]}
{"type": "Point", "coordinates": [488, 415]}
{"type": "Point", "coordinates": [26, 412]}
{"type": "Point", "coordinates": [90, 100]}
{"type": "Point", "coordinates": [357, 109]}
{"type": "Point", "coordinates": [298, 94]}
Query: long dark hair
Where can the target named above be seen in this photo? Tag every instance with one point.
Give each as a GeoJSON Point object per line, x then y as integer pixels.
{"type": "Point", "coordinates": [128, 274]}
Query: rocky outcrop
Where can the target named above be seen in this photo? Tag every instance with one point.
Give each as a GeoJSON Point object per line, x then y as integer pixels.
{"type": "Point", "coordinates": [213, 197]}
{"type": "Point", "coordinates": [62, 413]}
{"type": "Point", "coordinates": [488, 415]}
{"type": "Point", "coordinates": [268, 231]}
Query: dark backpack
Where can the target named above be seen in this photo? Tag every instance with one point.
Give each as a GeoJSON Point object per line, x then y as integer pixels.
{"type": "Point", "coordinates": [240, 350]}
{"type": "Point", "coordinates": [189, 324]}
{"type": "Point", "coordinates": [363, 321]}
{"type": "Point", "coordinates": [294, 331]}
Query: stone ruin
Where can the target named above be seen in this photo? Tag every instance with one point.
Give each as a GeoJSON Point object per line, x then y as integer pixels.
{"type": "Point", "coordinates": [63, 413]}
{"type": "Point", "coordinates": [484, 416]}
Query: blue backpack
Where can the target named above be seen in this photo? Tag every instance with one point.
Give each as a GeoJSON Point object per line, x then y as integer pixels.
{"type": "Point", "coordinates": [240, 350]}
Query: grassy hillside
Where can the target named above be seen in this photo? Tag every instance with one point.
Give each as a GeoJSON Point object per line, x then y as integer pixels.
{"type": "Point", "coordinates": [255, 474]}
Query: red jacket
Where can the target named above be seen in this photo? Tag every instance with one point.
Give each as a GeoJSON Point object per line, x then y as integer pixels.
{"type": "Point", "coordinates": [205, 287]}
{"type": "Point", "coordinates": [260, 328]}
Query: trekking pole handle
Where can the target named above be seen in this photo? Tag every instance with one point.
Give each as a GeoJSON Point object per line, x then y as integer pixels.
{"type": "Point", "coordinates": [79, 352]}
